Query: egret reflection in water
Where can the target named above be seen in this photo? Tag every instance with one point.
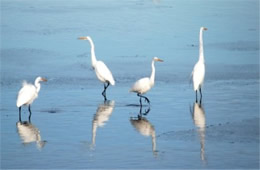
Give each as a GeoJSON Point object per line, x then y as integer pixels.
{"type": "Point", "coordinates": [199, 120]}
{"type": "Point", "coordinates": [29, 133]}
{"type": "Point", "coordinates": [145, 128]}
{"type": "Point", "coordinates": [101, 116]}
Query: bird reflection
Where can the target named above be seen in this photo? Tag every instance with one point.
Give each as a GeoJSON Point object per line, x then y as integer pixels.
{"type": "Point", "coordinates": [145, 128]}
{"type": "Point", "coordinates": [102, 115]}
{"type": "Point", "coordinates": [29, 133]}
{"type": "Point", "coordinates": [199, 120]}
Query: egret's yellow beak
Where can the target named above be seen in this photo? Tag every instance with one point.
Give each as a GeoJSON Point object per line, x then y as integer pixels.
{"type": "Point", "coordinates": [159, 60]}
{"type": "Point", "coordinates": [83, 38]}
{"type": "Point", "coordinates": [43, 79]}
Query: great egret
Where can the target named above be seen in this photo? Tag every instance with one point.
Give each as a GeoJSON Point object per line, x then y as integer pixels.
{"type": "Point", "coordinates": [102, 71]}
{"type": "Point", "coordinates": [198, 72]}
{"type": "Point", "coordinates": [145, 84]}
{"type": "Point", "coordinates": [27, 94]}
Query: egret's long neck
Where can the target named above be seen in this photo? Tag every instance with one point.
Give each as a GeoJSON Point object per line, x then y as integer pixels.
{"type": "Point", "coordinates": [93, 56]}
{"type": "Point", "coordinates": [37, 85]}
{"type": "Point", "coordinates": [152, 74]}
{"type": "Point", "coordinates": [201, 57]}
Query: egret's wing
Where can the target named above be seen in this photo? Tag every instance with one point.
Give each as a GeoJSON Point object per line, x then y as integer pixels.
{"type": "Point", "coordinates": [198, 75]}
{"type": "Point", "coordinates": [27, 93]}
{"type": "Point", "coordinates": [193, 72]}
{"type": "Point", "coordinates": [141, 85]}
{"type": "Point", "coordinates": [103, 71]}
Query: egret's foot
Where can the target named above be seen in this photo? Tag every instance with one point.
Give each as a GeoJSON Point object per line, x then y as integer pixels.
{"type": "Point", "coordinates": [147, 100]}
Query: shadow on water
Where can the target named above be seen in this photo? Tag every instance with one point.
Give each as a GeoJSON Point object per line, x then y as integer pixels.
{"type": "Point", "coordinates": [199, 120]}
{"type": "Point", "coordinates": [101, 116]}
{"type": "Point", "coordinates": [29, 133]}
{"type": "Point", "coordinates": [144, 127]}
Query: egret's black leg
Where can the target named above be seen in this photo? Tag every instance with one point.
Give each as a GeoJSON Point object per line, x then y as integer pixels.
{"type": "Point", "coordinates": [104, 91]}
{"type": "Point", "coordinates": [140, 100]}
{"type": "Point", "coordinates": [146, 99]}
{"type": "Point", "coordinates": [20, 120]}
{"type": "Point", "coordinates": [30, 113]}
{"type": "Point", "coordinates": [200, 94]}
{"type": "Point", "coordinates": [196, 96]}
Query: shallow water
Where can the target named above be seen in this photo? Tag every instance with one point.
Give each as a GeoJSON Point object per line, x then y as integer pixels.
{"type": "Point", "coordinates": [72, 127]}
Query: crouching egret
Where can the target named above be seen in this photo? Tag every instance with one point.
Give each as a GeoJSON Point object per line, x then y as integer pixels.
{"type": "Point", "coordinates": [27, 94]}
{"type": "Point", "coordinates": [145, 84]}
{"type": "Point", "coordinates": [198, 72]}
{"type": "Point", "coordinates": [102, 71]}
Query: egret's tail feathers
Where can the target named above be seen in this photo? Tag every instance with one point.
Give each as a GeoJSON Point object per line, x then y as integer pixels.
{"type": "Point", "coordinates": [19, 103]}
{"type": "Point", "coordinates": [112, 82]}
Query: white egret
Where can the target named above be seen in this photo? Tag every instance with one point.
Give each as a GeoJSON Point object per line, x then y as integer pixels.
{"type": "Point", "coordinates": [145, 84]}
{"type": "Point", "coordinates": [27, 94]}
{"type": "Point", "coordinates": [198, 72]}
{"type": "Point", "coordinates": [102, 71]}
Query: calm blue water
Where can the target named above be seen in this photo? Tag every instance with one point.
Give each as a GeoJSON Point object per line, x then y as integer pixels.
{"type": "Point", "coordinates": [72, 127]}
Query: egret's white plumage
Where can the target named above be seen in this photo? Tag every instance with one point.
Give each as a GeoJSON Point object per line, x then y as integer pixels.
{"type": "Point", "coordinates": [101, 70]}
{"type": "Point", "coordinates": [103, 73]}
{"type": "Point", "coordinates": [198, 72]}
{"type": "Point", "coordinates": [28, 93]}
{"type": "Point", "coordinates": [143, 85]}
